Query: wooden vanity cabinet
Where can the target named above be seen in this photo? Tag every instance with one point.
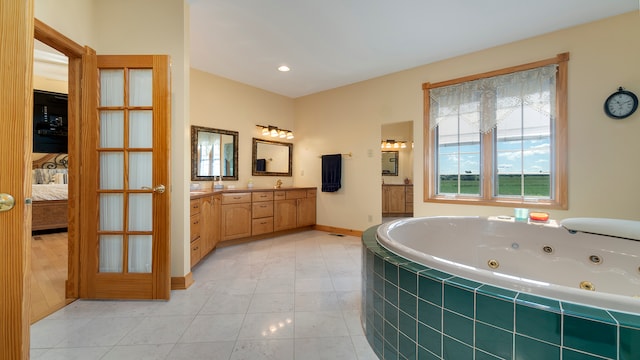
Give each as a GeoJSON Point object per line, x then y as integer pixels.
{"type": "Point", "coordinates": [294, 208]}
{"type": "Point", "coordinates": [195, 231]}
{"type": "Point", "coordinates": [306, 209]}
{"type": "Point", "coordinates": [224, 216]}
{"type": "Point", "coordinates": [236, 216]}
{"type": "Point", "coordinates": [397, 200]}
{"type": "Point", "coordinates": [261, 212]}
{"type": "Point", "coordinates": [210, 220]}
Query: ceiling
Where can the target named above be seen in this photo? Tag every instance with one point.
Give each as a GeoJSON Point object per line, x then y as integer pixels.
{"type": "Point", "coordinates": [331, 43]}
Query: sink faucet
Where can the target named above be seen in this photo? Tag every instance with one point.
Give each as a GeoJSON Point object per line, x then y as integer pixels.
{"type": "Point", "coordinates": [278, 184]}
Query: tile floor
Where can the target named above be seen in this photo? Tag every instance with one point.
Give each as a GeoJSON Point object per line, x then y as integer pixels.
{"type": "Point", "coordinates": [291, 297]}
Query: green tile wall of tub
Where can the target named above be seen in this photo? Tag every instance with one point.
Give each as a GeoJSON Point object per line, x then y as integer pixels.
{"type": "Point", "coordinates": [415, 312]}
{"type": "Point", "coordinates": [458, 327]}
{"type": "Point", "coordinates": [430, 339]}
{"type": "Point", "coordinates": [538, 324]}
{"type": "Point", "coordinates": [430, 290]}
{"type": "Point", "coordinates": [494, 340]}
{"type": "Point", "coordinates": [568, 354]}
{"type": "Point", "coordinates": [454, 350]}
{"type": "Point", "coordinates": [459, 300]}
{"type": "Point", "coordinates": [590, 336]}
{"type": "Point", "coordinates": [408, 303]}
{"type": "Point", "coordinates": [525, 347]}
{"type": "Point", "coordinates": [494, 311]}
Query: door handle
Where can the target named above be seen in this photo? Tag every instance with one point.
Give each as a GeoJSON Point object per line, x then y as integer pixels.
{"type": "Point", "coordinates": [6, 202]}
{"type": "Point", "coordinates": [159, 189]}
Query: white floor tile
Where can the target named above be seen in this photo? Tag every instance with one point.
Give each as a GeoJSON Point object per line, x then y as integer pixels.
{"type": "Point", "coordinates": [139, 352]}
{"type": "Point", "coordinates": [292, 297]}
{"type": "Point", "coordinates": [202, 351]}
{"type": "Point", "coordinates": [86, 353]}
{"type": "Point", "coordinates": [317, 301]}
{"type": "Point", "coordinates": [319, 324]}
{"type": "Point", "coordinates": [277, 302]}
{"type": "Point", "coordinates": [158, 330]}
{"type": "Point", "coordinates": [260, 326]}
{"type": "Point", "coordinates": [263, 350]}
{"type": "Point", "coordinates": [329, 348]}
{"type": "Point", "coordinates": [101, 332]}
{"type": "Point", "coordinates": [209, 328]}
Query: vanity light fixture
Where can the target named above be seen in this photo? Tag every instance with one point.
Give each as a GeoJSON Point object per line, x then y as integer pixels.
{"type": "Point", "coordinates": [392, 144]}
{"type": "Point", "coordinates": [273, 131]}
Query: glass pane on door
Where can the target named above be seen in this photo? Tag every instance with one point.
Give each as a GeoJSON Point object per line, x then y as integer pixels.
{"type": "Point", "coordinates": [140, 212]}
{"type": "Point", "coordinates": [140, 87]}
{"type": "Point", "coordinates": [111, 87]}
{"type": "Point", "coordinates": [140, 253]}
{"type": "Point", "coordinates": [141, 127]}
{"type": "Point", "coordinates": [111, 129]}
{"type": "Point", "coordinates": [110, 253]}
{"type": "Point", "coordinates": [111, 164]}
{"type": "Point", "coordinates": [111, 206]}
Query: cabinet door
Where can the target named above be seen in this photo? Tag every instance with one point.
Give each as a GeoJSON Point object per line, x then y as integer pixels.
{"type": "Point", "coordinates": [396, 199]}
{"type": "Point", "coordinates": [206, 232]}
{"type": "Point", "coordinates": [385, 199]}
{"type": "Point", "coordinates": [307, 211]}
{"type": "Point", "coordinates": [236, 221]}
{"type": "Point", "coordinates": [216, 217]}
{"type": "Point", "coordinates": [284, 214]}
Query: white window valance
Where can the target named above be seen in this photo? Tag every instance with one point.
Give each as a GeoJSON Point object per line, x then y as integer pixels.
{"type": "Point", "coordinates": [484, 103]}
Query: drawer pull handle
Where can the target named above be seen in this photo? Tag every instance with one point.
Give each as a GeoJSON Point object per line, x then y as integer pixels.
{"type": "Point", "coordinates": [237, 197]}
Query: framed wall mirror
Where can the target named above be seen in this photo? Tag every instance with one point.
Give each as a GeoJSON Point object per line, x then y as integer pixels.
{"type": "Point", "coordinates": [271, 158]}
{"type": "Point", "coordinates": [390, 163]}
{"type": "Point", "coordinates": [214, 153]}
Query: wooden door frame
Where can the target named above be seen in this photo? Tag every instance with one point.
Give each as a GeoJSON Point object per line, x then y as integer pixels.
{"type": "Point", "coordinates": [74, 52]}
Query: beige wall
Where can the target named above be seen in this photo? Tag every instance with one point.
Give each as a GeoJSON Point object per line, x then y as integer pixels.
{"type": "Point", "coordinates": [224, 104]}
{"type": "Point", "coordinates": [142, 27]}
{"type": "Point", "coordinates": [603, 169]}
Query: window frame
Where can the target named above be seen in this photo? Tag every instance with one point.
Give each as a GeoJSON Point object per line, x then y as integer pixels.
{"type": "Point", "coordinates": [559, 136]}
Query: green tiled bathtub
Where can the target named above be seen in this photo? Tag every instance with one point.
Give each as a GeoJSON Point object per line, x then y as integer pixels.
{"type": "Point", "coordinates": [410, 311]}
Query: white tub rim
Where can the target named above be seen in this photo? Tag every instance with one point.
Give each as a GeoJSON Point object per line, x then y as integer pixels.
{"type": "Point", "coordinates": [561, 293]}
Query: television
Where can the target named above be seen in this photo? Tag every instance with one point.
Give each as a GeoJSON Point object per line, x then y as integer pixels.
{"type": "Point", "coordinates": [50, 122]}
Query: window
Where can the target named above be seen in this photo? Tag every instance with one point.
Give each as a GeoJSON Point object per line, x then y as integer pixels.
{"type": "Point", "coordinates": [499, 138]}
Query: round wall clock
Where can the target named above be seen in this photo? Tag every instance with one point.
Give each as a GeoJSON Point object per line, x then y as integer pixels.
{"type": "Point", "coordinates": [621, 104]}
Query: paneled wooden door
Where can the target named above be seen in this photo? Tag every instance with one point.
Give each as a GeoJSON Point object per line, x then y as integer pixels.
{"type": "Point", "coordinates": [125, 169]}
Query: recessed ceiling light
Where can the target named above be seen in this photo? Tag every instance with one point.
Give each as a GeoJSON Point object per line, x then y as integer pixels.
{"type": "Point", "coordinates": [283, 68]}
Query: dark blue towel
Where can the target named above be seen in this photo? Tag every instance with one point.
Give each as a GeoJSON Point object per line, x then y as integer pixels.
{"type": "Point", "coordinates": [261, 165]}
{"type": "Point", "coordinates": [331, 172]}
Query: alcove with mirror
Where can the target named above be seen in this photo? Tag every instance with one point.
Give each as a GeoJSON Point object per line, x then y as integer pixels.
{"type": "Point", "coordinates": [214, 153]}
{"type": "Point", "coordinates": [271, 158]}
{"type": "Point", "coordinates": [397, 169]}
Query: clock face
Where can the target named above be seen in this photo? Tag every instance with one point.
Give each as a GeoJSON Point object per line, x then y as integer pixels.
{"type": "Point", "coordinates": [621, 104]}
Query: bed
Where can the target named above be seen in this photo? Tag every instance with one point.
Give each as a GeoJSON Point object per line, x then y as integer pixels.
{"type": "Point", "coordinates": [49, 194]}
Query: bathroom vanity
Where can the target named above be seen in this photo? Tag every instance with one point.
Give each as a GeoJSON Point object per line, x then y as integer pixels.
{"type": "Point", "coordinates": [397, 200]}
{"type": "Point", "coordinates": [229, 216]}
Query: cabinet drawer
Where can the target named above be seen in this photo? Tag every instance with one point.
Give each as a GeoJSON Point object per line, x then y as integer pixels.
{"type": "Point", "coordinates": [409, 192]}
{"type": "Point", "coordinates": [236, 198]}
{"type": "Point", "coordinates": [195, 252]}
{"type": "Point", "coordinates": [262, 196]}
{"type": "Point", "coordinates": [262, 226]}
{"type": "Point", "coordinates": [408, 207]}
{"type": "Point", "coordinates": [262, 209]}
{"type": "Point", "coordinates": [195, 206]}
{"type": "Point", "coordinates": [280, 195]}
{"type": "Point", "coordinates": [195, 226]}
{"type": "Point", "coordinates": [296, 194]}
{"type": "Point", "coordinates": [311, 193]}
